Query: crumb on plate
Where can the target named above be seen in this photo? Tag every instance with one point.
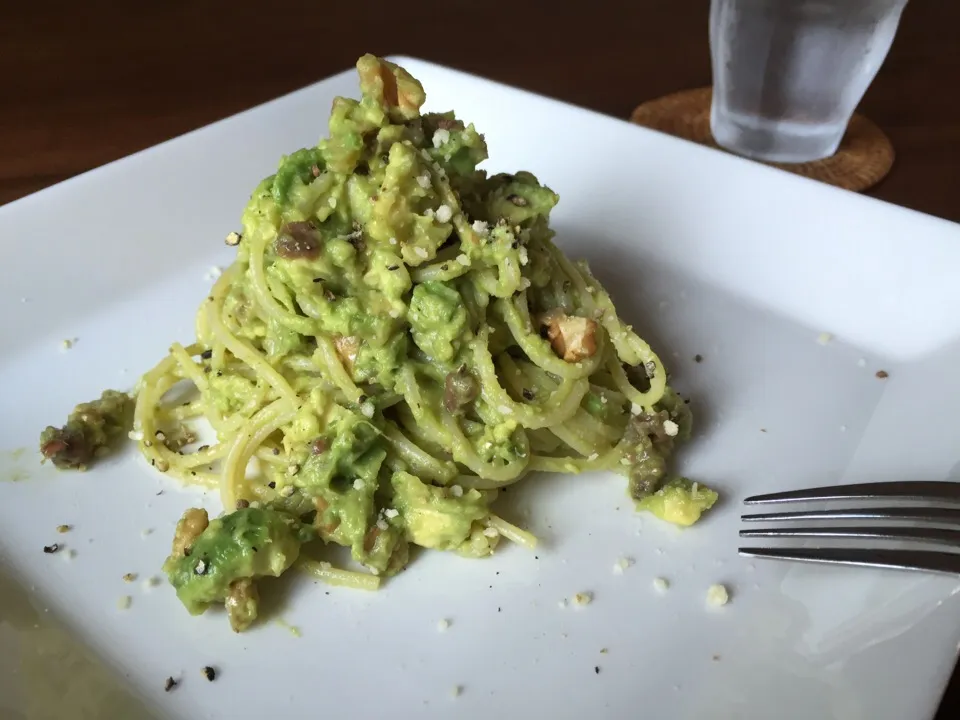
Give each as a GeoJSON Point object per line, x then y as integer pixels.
{"type": "Point", "coordinates": [717, 595]}
{"type": "Point", "coordinates": [583, 599]}
{"type": "Point", "coordinates": [661, 584]}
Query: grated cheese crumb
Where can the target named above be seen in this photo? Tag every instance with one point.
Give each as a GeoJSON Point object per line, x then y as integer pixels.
{"type": "Point", "coordinates": [635, 409]}
{"type": "Point", "coordinates": [135, 435]}
{"type": "Point", "coordinates": [562, 603]}
{"type": "Point", "coordinates": [382, 524]}
{"type": "Point", "coordinates": [70, 554]}
{"type": "Point", "coordinates": [456, 690]}
{"type": "Point", "coordinates": [480, 227]}
{"type": "Point", "coordinates": [456, 491]}
{"type": "Point", "coordinates": [661, 584]}
{"type": "Point", "coordinates": [593, 456]}
{"type": "Point", "coordinates": [582, 599]}
{"type": "Point", "coordinates": [213, 273]}
{"type": "Point", "coordinates": [717, 595]}
{"type": "Point", "coordinates": [391, 513]}
{"type": "Point", "coordinates": [444, 213]}
{"type": "Point", "coordinates": [463, 260]}
{"type": "Point", "coordinates": [505, 410]}
{"type": "Point", "coordinates": [671, 428]}
{"type": "Point", "coordinates": [824, 338]}
{"type": "Point", "coordinates": [421, 253]}
{"type": "Point", "coordinates": [287, 491]}
{"type": "Point", "coordinates": [491, 532]}
{"type": "Point", "coordinates": [129, 577]}
{"type": "Point", "coordinates": [862, 362]}
{"type": "Point", "coordinates": [524, 284]}
{"type": "Point", "coordinates": [524, 257]}
{"type": "Point", "coordinates": [367, 410]}
{"type": "Point", "coordinates": [440, 137]}
{"type": "Point", "coordinates": [332, 202]}
{"type": "Point", "coordinates": [392, 241]}
{"type": "Point", "coordinates": [442, 625]}
{"type": "Point", "coordinates": [424, 181]}
{"type": "Point", "coordinates": [358, 484]}
{"type": "Point", "coordinates": [621, 565]}
{"type": "Point", "coordinates": [233, 238]}
{"type": "Point", "coordinates": [124, 602]}
{"type": "Point", "coordinates": [66, 345]}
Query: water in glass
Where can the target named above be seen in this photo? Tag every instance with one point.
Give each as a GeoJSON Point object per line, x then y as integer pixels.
{"type": "Point", "coordinates": [788, 74]}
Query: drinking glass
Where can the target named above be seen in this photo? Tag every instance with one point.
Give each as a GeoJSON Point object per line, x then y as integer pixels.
{"type": "Point", "coordinates": [788, 74]}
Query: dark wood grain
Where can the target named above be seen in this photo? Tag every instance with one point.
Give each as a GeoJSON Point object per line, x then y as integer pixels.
{"type": "Point", "coordinates": [85, 83]}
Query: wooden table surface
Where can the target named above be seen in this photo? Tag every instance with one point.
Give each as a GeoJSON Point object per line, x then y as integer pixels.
{"type": "Point", "coordinates": [85, 83]}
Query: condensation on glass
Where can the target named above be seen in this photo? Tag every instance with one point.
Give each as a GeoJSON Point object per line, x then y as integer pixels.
{"type": "Point", "coordinates": [788, 74]}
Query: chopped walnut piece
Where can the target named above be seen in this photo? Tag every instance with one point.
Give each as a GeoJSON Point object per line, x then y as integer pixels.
{"type": "Point", "coordinates": [573, 338]}
{"type": "Point", "coordinates": [193, 522]}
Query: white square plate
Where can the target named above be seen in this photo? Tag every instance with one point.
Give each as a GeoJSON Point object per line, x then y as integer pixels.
{"type": "Point", "coordinates": [705, 253]}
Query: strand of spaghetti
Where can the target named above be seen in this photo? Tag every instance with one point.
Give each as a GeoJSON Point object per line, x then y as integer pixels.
{"type": "Point", "coordinates": [243, 351]}
{"type": "Point", "coordinates": [573, 439]}
{"type": "Point", "coordinates": [594, 427]}
{"type": "Point", "coordinates": [421, 464]}
{"type": "Point", "coordinates": [543, 442]}
{"type": "Point", "coordinates": [583, 294]}
{"type": "Point", "coordinates": [267, 420]}
{"type": "Point", "coordinates": [476, 482]}
{"type": "Point", "coordinates": [464, 453]}
{"type": "Point", "coordinates": [427, 422]}
{"type": "Point", "coordinates": [443, 268]}
{"type": "Point", "coordinates": [188, 367]}
{"type": "Point", "coordinates": [265, 299]}
{"type": "Point", "coordinates": [538, 349]}
{"type": "Point", "coordinates": [562, 404]}
{"type": "Point", "coordinates": [629, 346]}
{"type": "Point", "coordinates": [608, 460]}
{"type": "Point", "coordinates": [152, 387]}
{"type": "Point", "coordinates": [205, 456]}
{"type": "Point", "coordinates": [647, 399]}
{"type": "Point", "coordinates": [325, 572]}
{"type": "Point", "coordinates": [511, 532]}
{"type": "Point", "coordinates": [564, 397]}
{"type": "Point", "coordinates": [335, 371]}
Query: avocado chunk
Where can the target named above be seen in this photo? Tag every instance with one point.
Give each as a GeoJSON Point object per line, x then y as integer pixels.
{"type": "Point", "coordinates": [438, 320]}
{"type": "Point", "coordinates": [679, 501]}
{"type": "Point", "coordinates": [220, 564]}
{"type": "Point", "coordinates": [89, 432]}
{"type": "Point", "coordinates": [434, 517]}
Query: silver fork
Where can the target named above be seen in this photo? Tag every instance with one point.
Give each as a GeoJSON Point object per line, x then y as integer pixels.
{"type": "Point", "coordinates": [942, 514]}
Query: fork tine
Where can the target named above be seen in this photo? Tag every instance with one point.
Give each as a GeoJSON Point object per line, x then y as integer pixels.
{"type": "Point", "coordinates": [931, 561]}
{"type": "Point", "coordinates": [920, 534]}
{"type": "Point", "coordinates": [906, 490]}
{"type": "Point", "coordinates": [930, 514]}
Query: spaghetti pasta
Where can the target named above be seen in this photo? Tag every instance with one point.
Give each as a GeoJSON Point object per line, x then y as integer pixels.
{"type": "Point", "coordinates": [397, 340]}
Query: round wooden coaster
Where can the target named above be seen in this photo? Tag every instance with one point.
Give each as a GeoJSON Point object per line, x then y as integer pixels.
{"type": "Point", "coordinates": [863, 159]}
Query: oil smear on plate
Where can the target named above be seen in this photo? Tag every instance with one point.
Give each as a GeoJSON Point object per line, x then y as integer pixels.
{"type": "Point", "coordinates": [45, 673]}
